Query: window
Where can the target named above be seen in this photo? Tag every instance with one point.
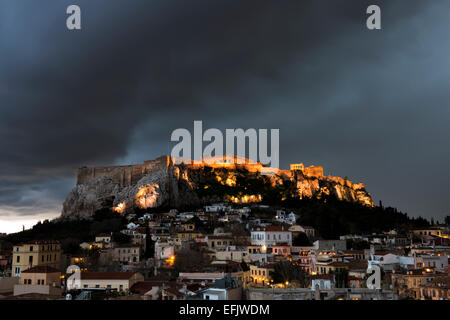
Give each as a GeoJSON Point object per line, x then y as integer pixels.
{"type": "Point", "coordinates": [31, 248]}
{"type": "Point", "coordinates": [42, 259]}
{"type": "Point", "coordinates": [97, 286]}
{"type": "Point", "coordinates": [30, 259]}
{"type": "Point", "coordinates": [18, 259]}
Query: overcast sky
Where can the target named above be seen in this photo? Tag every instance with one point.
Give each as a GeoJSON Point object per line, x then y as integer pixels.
{"type": "Point", "coordinates": [369, 105]}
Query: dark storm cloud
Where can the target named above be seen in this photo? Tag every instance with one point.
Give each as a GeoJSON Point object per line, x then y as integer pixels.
{"type": "Point", "coordinates": [368, 105]}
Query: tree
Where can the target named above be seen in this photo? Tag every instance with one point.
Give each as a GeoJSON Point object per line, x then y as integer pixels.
{"type": "Point", "coordinates": [244, 266]}
{"type": "Point", "coordinates": [341, 278]}
{"type": "Point", "coordinates": [188, 260]}
{"type": "Point", "coordinates": [301, 240]}
{"type": "Point", "coordinates": [286, 271]}
{"type": "Point", "coordinates": [447, 220]}
{"type": "Point", "coordinates": [239, 234]}
{"type": "Point", "coordinates": [149, 244]}
{"type": "Point", "coordinates": [358, 245]}
{"type": "Point", "coordinates": [198, 224]}
{"type": "Point", "coordinates": [121, 238]}
{"type": "Point", "coordinates": [94, 258]}
{"type": "Point", "coordinates": [70, 246]}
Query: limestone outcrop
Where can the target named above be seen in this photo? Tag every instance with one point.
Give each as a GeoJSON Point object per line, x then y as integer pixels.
{"type": "Point", "coordinates": [159, 183]}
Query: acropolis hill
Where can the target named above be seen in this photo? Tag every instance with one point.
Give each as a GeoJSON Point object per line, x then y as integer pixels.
{"type": "Point", "coordinates": [161, 182]}
{"type": "Point", "coordinates": [130, 174]}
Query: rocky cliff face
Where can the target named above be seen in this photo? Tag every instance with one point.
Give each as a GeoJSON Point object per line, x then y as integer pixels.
{"type": "Point", "coordinates": [178, 186]}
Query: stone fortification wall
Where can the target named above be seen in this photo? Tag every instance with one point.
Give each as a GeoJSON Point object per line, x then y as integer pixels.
{"type": "Point", "coordinates": [122, 175]}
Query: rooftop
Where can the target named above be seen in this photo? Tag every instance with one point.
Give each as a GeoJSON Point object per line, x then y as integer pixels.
{"type": "Point", "coordinates": [39, 242]}
{"type": "Point", "coordinates": [41, 269]}
{"type": "Point", "coordinates": [143, 287]}
{"type": "Point", "coordinates": [107, 275]}
{"type": "Point", "coordinates": [270, 228]}
{"type": "Point", "coordinates": [104, 235]}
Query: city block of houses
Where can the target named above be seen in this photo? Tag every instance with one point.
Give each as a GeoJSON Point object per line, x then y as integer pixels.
{"type": "Point", "coordinates": [230, 252]}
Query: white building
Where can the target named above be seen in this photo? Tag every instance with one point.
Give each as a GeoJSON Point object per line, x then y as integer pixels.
{"type": "Point", "coordinates": [223, 289]}
{"type": "Point", "coordinates": [283, 217]}
{"type": "Point", "coordinates": [231, 253]}
{"type": "Point", "coordinates": [387, 261]}
{"type": "Point", "coordinates": [309, 231]}
{"type": "Point", "coordinates": [132, 225]}
{"type": "Point", "coordinates": [222, 294]}
{"type": "Point", "coordinates": [271, 235]}
{"type": "Point", "coordinates": [103, 237]}
{"type": "Point", "coordinates": [321, 282]}
{"type": "Point", "coordinates": [164, 250]}
{"type": "Point", "coordinates": [184, 216]}
{"type": "Point", "coordinates": [440, 263]}
{"type": "Point", "coordinates": [121, 281]}
{"type": "Point", "coordinates": [217, 207]}
{"type": "Point", "coordinates": [330, 245]}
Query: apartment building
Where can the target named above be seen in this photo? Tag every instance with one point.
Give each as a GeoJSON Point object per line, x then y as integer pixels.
{"type": "Point", "coordinates": [270, 236]}
{"type": "Point", "coordinates": [261, 274]}
{"type": "Point", "coordinates": [218, 242]}
{"type": "Point", "coordinates": [35, 253]}
{"type": "Point", "coordinates": [127, 254]}
{"type": "Point", "coordinates": [41, 280]}
{"type": "Point", "coordinates": [121, 281]}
